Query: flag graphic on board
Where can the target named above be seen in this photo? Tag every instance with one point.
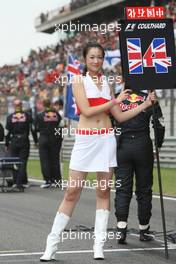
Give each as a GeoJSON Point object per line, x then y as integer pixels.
{"type": "Point", "coordinates": [73, 68]}
{"type": "Point", "coordinates": [156, 56]}
{"type": "Point", "coordinates": [134, 55]}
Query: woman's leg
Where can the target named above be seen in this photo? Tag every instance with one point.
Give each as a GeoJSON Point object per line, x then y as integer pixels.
{"type": "Point", "coordinates": [104, 182]}
{"type": "Point", "coordinates": [72, 194]}
{"type": "Point", "coordinates": [102, 213]}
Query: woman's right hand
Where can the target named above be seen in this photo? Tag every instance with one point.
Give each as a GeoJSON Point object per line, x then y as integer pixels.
{"type": "Point", "coordinates": [123, 95]}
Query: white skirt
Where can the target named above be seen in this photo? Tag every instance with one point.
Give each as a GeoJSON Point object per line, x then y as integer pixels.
{"type": "Point", "coordinates": [94, 153]}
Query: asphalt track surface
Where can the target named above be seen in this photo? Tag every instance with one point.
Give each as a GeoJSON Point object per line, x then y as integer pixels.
{"type": "Point", "coordinates": [26, 219]}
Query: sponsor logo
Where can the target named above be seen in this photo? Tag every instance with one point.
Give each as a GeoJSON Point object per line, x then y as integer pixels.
{"type": "Point", "coordinates": [133, 98]}
{"type": "Point", "coordinates": [18, 117]}
{"type": "Point", "coordinates": [132, 101]}
{"type": "Point", "coordinates": [130, 27]}
{"type": "Point", "coordinates": [50, 117]}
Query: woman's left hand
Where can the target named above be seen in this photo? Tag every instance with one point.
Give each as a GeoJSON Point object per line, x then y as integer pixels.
{"type": "Point", "coordinates": [151, 98]}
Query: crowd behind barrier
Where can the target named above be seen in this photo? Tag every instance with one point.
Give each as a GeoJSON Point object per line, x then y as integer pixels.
{"type": "Point", "coordinates": [35, 76]}
{"type": "Point", "coordinates": [33, 79]}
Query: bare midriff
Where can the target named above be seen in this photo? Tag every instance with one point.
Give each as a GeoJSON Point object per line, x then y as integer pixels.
{"type": "Point", "coordinates": [98, 121]}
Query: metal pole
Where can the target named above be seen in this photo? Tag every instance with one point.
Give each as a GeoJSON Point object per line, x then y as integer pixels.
{"type": "Point", "coordinates": [172, 116]}
{"type": "Point", "coordinates": [160, 183]}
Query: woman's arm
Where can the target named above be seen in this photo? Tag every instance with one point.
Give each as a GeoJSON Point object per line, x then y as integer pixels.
{"type": "Point", "coordinates": [82, 102]}
{"type": "Point", "coordinates": [124, 116]}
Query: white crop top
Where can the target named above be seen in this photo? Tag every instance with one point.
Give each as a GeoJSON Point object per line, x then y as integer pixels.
{"type": "Point", "coordinates": [93, 94]}
{"type": "Point", "coordinates": [92, 90]}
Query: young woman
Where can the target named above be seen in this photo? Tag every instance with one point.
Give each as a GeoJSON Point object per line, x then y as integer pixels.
{"type": "Point", "coordinates": [94, 148]}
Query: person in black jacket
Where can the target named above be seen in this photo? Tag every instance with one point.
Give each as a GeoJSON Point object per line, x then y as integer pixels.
{"type": "Point", "coordinates": [18, 125]}
{"type": "Point", "coordinates": [135, 156]}
{"type": "Point", "coordinates": [1, 132]}
{"type": "Point", "coordinates": [47, 123]}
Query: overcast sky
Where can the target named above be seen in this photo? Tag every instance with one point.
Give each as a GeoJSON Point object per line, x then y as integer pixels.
{"type": "Point", "coordinates": [17, 31]}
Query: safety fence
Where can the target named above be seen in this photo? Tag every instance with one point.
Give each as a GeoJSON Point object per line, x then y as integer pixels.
{"type": "Point", "coordinates": [167, 152]}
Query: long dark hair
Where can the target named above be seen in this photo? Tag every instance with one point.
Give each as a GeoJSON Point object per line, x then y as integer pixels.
{"type": "Point", "coordinates": [86, 49]}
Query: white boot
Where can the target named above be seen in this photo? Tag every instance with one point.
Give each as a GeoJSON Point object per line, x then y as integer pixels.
{"type": "Point", "coordinates": [100, 232]}
{"type": "Point", "coordinates": [60, 222]}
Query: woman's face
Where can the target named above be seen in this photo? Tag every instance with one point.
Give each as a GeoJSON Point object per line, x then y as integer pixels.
{"type": "Point", "coordinates": [94, 59]}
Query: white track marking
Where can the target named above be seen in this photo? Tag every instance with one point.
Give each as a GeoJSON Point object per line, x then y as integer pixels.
{"type": "Point", "coordinates": [11, 251]}
{"type": "Point", "coordinates": [89, 251]}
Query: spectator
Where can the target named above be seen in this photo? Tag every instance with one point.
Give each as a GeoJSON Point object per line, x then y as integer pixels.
{"type": "Point", "coordinates": [18, 125]}
{"type": "Point", "coordinates": [47, 122]}
{"type": "Point", "coordinates": [1, 132]}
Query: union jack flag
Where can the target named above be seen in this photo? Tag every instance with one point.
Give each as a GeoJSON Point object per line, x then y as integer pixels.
{"type": "Point", "coordinates": [134, 55]}
{"type": "Point", "coordinates": [74, 67]}
{"type": "Point", "coordinates": [156, 56]}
